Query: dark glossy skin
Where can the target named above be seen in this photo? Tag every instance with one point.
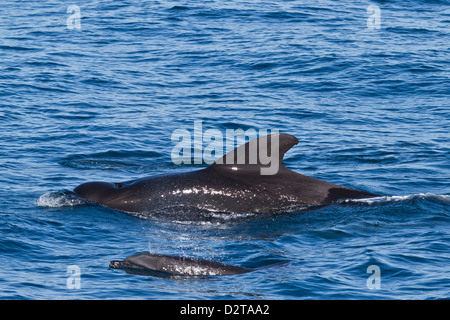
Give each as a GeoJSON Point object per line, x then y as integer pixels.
{"type": "Point", "coordinates": [228, 188]}
{"type": "Point", "coordinates": [173, 265]}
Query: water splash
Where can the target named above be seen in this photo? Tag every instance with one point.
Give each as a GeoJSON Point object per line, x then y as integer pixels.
{"type": "Point", "coordinates": [389, 199]}
{"type": "Point", "coordinates": [59, 199]}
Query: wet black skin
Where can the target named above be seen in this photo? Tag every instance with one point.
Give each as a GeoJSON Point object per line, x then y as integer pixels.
{"type": "Point", "coordinates": [167, 265]}
{"type": "Point", "coordinates": [221, 187]}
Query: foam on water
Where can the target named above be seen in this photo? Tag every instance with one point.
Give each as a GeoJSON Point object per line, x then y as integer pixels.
{"type": "Point", "coordinates": [60, 199]}
{"type": "Point", "coordinates": [386, 199]}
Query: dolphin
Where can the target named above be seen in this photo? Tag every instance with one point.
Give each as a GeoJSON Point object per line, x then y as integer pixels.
{"type": "Point", "coordinates": [168, 265]}
{"type": "Point", "coordinates": [235, 183]}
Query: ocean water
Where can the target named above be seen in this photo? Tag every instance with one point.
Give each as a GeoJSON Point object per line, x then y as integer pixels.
{"type": "Point", "coordinates": [96, 96]}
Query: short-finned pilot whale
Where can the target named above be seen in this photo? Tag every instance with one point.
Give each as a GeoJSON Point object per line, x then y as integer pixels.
{"type": "Point", "coordinates": [233, 184]}
{"type": "Point", "coordinates": [146, 263]}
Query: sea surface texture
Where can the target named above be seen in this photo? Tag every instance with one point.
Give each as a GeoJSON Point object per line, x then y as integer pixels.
{"type": "Point", "coordinates": [94, 90]}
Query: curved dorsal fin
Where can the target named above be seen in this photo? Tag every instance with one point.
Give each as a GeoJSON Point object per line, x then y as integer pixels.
{"type": "Point", "coordinates": [263, 155]}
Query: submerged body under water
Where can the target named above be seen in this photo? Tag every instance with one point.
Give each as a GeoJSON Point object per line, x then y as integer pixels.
{"type": "Point", "coordinates": [369, 106]}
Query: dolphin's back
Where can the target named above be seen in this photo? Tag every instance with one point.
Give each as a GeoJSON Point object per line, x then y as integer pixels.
{"type": "Point", "coordinates": [232, 184]}
{"type": "Point", "coordinates": [173, 265]}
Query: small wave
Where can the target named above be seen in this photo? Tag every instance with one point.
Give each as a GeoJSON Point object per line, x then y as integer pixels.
{"type": "Point", "coordinates": [111, 160]}
{"type": "Point", "coordinates": [179, 8]}
{"type": "Point", "coordinates": [388, 199]}
{"type": "Point", "coordinates": [58, 199]}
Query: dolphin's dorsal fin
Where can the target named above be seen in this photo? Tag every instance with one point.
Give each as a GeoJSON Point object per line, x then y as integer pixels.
{"type": "Point", "coordinates": [264, 155]}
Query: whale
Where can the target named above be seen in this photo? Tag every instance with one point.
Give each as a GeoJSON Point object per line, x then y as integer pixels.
{"type": "Point", "coordinates": [234, 183]}
{"type": "Point", "coordinates": [169, 265]}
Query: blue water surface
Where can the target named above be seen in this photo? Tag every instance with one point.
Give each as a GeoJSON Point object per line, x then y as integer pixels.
{"type": "Point", "coordinates": [98, 98]}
